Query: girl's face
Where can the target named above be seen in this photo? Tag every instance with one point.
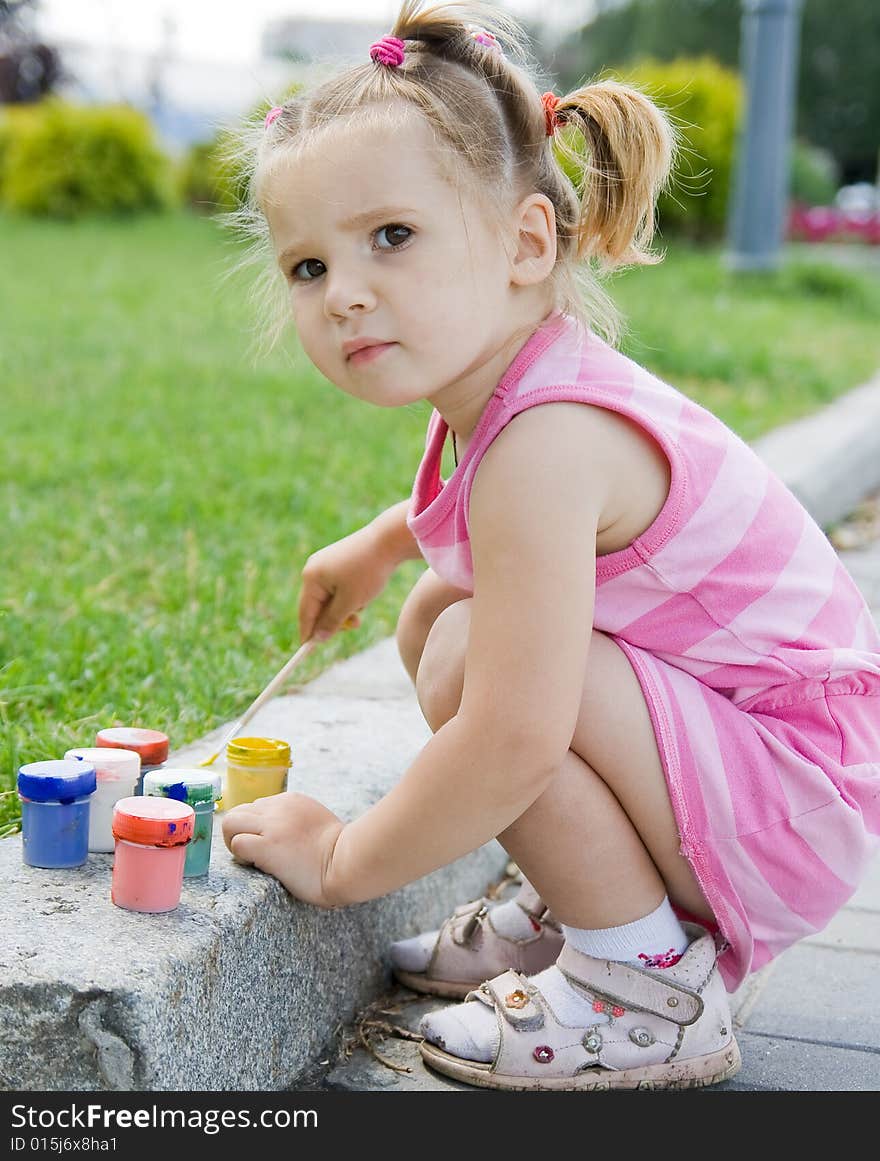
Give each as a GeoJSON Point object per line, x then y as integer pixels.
{"type": "Point", "coordinates": [378, 248]}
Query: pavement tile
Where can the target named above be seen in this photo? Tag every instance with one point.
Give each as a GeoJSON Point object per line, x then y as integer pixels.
{"type": "Point", "coordinates": [868, 893]}
{"type": "Point", "coordinates": [780, 1064]}
{"type": "Point", "coordinates": [820, 994]}
{"type": "Point", "coordinates": [852, 929]}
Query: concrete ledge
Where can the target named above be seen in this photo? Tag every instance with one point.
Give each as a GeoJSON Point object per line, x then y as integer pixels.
{"type": "Point", "coordinates": [830, 460]}
{"type": "Point", "coordinates": [241, 987]}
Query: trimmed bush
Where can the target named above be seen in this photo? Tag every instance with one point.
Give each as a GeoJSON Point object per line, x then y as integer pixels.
{"type": "Point", "coordinates": [66, 161]}
{"type": "Point", "coordinates": [208, 180]}
{"type": "Point", "coordinates": [12, 120]}
{"type": "Point", "coordinates": [704, 101]}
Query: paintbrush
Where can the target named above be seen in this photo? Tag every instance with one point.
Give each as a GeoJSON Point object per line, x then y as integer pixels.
{"type": "Point", "coordinates": [274, 685]}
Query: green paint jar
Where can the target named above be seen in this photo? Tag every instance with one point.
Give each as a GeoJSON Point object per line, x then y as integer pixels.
{"type": "Point", "coordinates": [199, 789]}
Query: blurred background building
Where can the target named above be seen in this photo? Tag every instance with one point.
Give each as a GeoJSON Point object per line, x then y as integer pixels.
{"type": "Point", "coordinates": [305, 39]}
{"type": "Point", "coordinates": [152, 56]}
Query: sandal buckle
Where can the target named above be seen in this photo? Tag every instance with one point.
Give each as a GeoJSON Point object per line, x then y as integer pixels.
{"type": "Point", "coordinates": [463, 932]}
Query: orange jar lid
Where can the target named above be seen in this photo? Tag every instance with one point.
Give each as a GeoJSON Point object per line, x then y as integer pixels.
{"type": "Point", "coordinates": [152, 745]}
{"type": "Point", "coordinates": [153, 822]}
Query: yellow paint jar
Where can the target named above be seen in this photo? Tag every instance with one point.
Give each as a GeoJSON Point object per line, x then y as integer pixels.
{"type": "Point", "coordinates": [255, 768]}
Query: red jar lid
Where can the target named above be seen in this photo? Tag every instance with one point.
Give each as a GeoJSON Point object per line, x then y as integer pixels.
{"type": "Point", "coordinates": [150, 744]}
{"type": "Point", "coordinates": [154, 822]}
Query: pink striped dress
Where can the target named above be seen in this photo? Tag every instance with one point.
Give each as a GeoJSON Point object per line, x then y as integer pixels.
{"type": "Point", "coordinates": [756, 652]}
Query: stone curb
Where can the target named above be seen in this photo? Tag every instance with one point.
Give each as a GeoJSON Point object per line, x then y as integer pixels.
{"type": "Point", "coordinates": [830, 460]}
{"type": "Point", "coordinates": [241, 987]}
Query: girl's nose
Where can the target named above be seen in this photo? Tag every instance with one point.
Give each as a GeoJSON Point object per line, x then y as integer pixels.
{"type": "Point", "coordinates": [345, 294]}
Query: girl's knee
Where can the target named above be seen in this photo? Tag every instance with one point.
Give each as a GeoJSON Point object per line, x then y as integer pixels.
{"type": "Point", "coordinates": [427, 599]}
{"type": "Point", "coordinates": [440, 676]}
{"type": "Point", "coordinates": [410, 635]}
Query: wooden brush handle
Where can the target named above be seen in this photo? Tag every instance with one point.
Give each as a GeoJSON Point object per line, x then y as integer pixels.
{"type": "Point", "coordinates": [271, 689]}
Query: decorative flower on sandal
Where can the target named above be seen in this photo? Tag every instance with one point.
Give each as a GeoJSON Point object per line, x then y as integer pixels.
{"type": "Point", "coordinates": [517, 999]}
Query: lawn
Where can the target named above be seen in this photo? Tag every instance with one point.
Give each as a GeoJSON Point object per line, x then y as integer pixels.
{"type": "Point", "coordinates": [162, 491]}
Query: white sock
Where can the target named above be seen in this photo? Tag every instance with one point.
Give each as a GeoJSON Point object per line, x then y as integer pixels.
{"type": "Point", "coordinates": [470, 1030]}
{"type": "Point", "coordinates": [657, 941]}
{"type": "Point", "coordinates": [508, 919]}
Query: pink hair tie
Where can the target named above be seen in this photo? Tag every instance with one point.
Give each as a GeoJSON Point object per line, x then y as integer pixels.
{"type": "Point", "coordinates": [481, 36]}
{"type": "Point", "coordinates": [273, 115]}
{"type": "Point", "coordinates": [388, 51]}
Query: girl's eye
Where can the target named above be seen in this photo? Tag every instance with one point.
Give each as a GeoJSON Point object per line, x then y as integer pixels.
{"type": "Point", "coordinates": [390, 237]}
{"type": "Point", "coordinates": [395, 236]}
{"type": "Point", "coordinates": [308, 269]}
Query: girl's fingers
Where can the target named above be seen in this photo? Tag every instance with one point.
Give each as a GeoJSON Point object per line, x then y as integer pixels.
{"type": "Point", "coordinates": [245, 847]}
{"type": "Point", "coordinates": [328, 628]}
{"type": "Point", "coordinates": [310, 608]}
{"type": "Point", "coordinates": [240, 820]}
{"type": "Point", "coordinates": [318, 618]}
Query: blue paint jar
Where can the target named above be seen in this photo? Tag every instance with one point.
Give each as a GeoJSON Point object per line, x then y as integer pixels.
{"type": "Point", "coordinates": [55, 799]}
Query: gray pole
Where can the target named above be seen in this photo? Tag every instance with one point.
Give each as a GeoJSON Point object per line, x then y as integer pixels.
{"type": "Point", "coordinates": [769, 55]}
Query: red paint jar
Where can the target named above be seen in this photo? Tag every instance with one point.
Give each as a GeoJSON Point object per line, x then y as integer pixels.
{"type": "Point", "coordinates": [151, 837]}
{"type": "Point", "coordinates": [152, 745]}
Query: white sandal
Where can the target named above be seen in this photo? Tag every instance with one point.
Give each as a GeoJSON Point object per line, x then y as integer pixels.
{"type": "Point", "coordinates": [667, 1029]}
{"type": "Point", "coordinates": [469, 950]}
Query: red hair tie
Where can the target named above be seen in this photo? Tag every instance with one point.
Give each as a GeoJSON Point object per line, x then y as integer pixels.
{"type": "Point", "coordinates": [388, 51]}
{"type": "Point", "coordinates": [272, 115]}
{"type": "Point", "coordinates": [552, 119]}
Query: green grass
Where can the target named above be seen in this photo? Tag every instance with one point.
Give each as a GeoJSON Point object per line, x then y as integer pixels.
{"type": "Point", "coordinates": [161, 493]}
{"type": "Point", "coordinates": [758, 350]}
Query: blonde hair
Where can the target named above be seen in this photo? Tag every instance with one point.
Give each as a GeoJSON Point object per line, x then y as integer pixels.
{"type": "Point", "coordinates": [603, 168]}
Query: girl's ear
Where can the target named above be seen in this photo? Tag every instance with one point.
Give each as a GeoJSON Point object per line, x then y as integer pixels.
{"type": "Point", "coordinates": [535, 231]}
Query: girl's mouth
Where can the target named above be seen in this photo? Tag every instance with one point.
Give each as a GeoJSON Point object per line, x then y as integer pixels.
{"type": "Point", "coordinates": [368, 354]}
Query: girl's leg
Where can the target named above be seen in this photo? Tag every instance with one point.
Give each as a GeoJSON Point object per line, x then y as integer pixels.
{"type": "Point", "coordinates": [429, 597]}
{"type": "Point", "coordinates": [600, 845]}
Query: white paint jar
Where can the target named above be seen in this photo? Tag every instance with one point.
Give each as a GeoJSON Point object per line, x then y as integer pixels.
{"type": "Point", "coordinates": [117, 773]}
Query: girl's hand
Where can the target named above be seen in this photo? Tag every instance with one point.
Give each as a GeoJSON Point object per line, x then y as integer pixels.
{"type": "Point", "coordinates": [289, 836]}
{"type": "Point", "coordinates": [339, 581]}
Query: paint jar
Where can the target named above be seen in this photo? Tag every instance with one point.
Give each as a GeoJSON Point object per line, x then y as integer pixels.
{"type": "Point", "coordinates": [55, 798]}
{"type": "Point", "coordinates": [152, 745]}
{"type": "Point", "coordinates": [201, 789]}
{"type": "Point", "coordinates": [255, 768]}
{"type": "Point", "coordinates": [151, 839]}
{"type": "Point", "coordinates": [117, 773]}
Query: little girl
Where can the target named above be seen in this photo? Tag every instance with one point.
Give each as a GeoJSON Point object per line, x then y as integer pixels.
{"type": "Point", "coordinates": [645, 670]}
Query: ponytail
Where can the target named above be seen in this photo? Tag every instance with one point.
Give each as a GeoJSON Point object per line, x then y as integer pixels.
{"type": "Point", "coordinates": [623, 147]}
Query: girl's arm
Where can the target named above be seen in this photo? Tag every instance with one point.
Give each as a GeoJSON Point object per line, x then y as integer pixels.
{"type": "Point", "coordinates": [392, 533]}
{"type": "Point", "coordinates": [535, 508]}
